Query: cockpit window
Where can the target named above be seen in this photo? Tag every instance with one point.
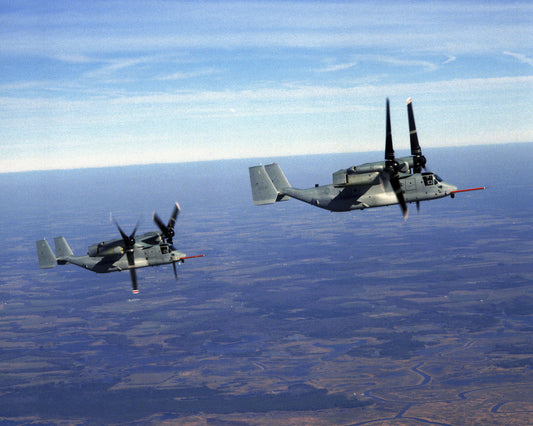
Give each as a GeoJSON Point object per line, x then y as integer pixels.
{"type": "Point", "coordinates": [431, 179]}
{"type": "Point", "coordinates": [428, 180]}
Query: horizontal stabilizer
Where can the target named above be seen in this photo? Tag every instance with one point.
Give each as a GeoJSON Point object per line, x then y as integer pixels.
{"type": "Point", "coordinates": [45, 254]}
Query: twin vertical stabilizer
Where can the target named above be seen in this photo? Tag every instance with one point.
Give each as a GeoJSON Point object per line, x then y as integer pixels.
{"type": "Point", "coordinates": [268, 184]}
{"type": "Point", "coordinates": [62, 248]}
{"type": "Point", "coordinates": [47, 258]}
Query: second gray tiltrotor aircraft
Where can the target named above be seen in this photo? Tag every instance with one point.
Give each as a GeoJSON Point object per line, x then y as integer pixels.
{"type": "Point", "coordinates": [127, 253]}
{"type": "Point", "coordinates": [382, 183]}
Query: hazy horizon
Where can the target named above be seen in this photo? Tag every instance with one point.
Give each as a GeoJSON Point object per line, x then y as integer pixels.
{"type": "Point", "coordinates": [120, 82]}
{"type": "Point", "coordinates": [399, 152]}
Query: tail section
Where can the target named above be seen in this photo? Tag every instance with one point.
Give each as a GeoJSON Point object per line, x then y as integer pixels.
{"type": "Point", "coordinates": [267, 184]}
{"type": "Point", "coordinates": [45, 254]}
{"type": "Point", "coordinates": [62, 248]}
{"type": "Point", "coordinates": [278, 178]}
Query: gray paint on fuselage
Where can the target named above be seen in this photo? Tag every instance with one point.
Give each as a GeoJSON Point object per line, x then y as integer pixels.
{"type": "Point", "coordinates": [144, 256]}
{"type": "Point", "coordinates": [359, 197]}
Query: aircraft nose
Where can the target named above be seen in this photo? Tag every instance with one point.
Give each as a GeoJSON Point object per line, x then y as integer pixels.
{"type": "Point", "coordinates": [175, 255]}
{"type": "Point", "coordinates": [449, 188]}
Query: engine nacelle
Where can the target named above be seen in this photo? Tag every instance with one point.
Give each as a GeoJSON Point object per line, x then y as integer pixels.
{"type": "Point", "coordinates": [102, 249]}
{"type": "Point", "coordinates": [406, 163]}
{"type": "Point", "coordinates": [354, 176]}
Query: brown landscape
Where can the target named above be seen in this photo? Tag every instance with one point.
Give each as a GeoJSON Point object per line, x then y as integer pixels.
{"type": "Point", "coordinates": [293, 317]}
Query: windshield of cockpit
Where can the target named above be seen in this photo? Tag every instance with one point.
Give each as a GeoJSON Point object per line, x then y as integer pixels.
{"type": "Point", "coordinates": [431, 179]}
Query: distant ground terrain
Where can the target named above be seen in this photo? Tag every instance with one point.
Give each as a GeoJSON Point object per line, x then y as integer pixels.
{"type": "Point", "coordinates": [295, 316]}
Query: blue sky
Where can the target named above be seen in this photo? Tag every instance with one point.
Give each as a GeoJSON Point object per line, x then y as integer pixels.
{"type": "Point", "coordinates": [86, 84]}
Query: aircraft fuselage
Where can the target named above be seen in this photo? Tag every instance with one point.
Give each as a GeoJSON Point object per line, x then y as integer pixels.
{"type": "Point", "coordinates": [110, 256]}
{"type": "Point", "coordinates": [379, 193]}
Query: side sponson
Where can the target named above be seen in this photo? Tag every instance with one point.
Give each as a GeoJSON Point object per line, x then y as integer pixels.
{"type": "Point", "coordinates": [45, 254]}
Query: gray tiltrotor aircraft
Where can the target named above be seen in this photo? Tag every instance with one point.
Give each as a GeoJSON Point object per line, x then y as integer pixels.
{"type": "Point", "coordinates": [393, 181]}
{"type": "Point", "coordinates": [126, 253]}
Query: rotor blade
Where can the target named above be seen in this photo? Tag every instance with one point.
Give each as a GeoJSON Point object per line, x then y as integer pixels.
{"type": "Point", "coordinates": [175, 271]}
{"type": "Point", "coordinates": [167, 230]}
{"type": "Point", "coordinates": [173, 216]}
{"type": "Point", "coordinates": [172, 222]}
{"type": "Point", "coordinates": [131, 263]}
{"type": "Point", "coordinates": [129, 240]}
{"type": "Point", "coordinates": [131, 257]}
{"type": "Point", "coordinates": [133, 275]}
{"type": "Point", "coordinates": [392, 166]}
{"type": "Point", "coordinates": [160, 224]}
{"type": "Point", "coordinates": [389, 151]}
{"type": "Point", "coordinates": [418, 159]}
{"type": "Point", "coordinates": [132, 236]}
{"type": "Point", "coordinates": [122, 233]}
{"type": "Point", "coordinates": [397, 187]}
{"type": "Point", "coordinates": [415, 146]}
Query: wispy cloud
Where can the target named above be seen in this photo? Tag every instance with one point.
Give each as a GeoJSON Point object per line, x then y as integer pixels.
{"type": "Point", "coordinates": [184, 75]}
{"type": "Point", "coordinates": [196, 101]}
{"type": "Point", "coordinates": [74, 58]}
{"type": "Point", "coordinates": [450, 59]}
{"type": "Point", "coordinates": [112, 66]}
{"type": "Point", "coordinates": [428, 66]}
{"type": "Point", "coordinates": [406, 61]}
{"type": "Point", "coordinates": [337, 67]}
{"type": "Point", "coordinates": [120, 26]}
{"type": "Point", "coordinates": [520, 57]}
